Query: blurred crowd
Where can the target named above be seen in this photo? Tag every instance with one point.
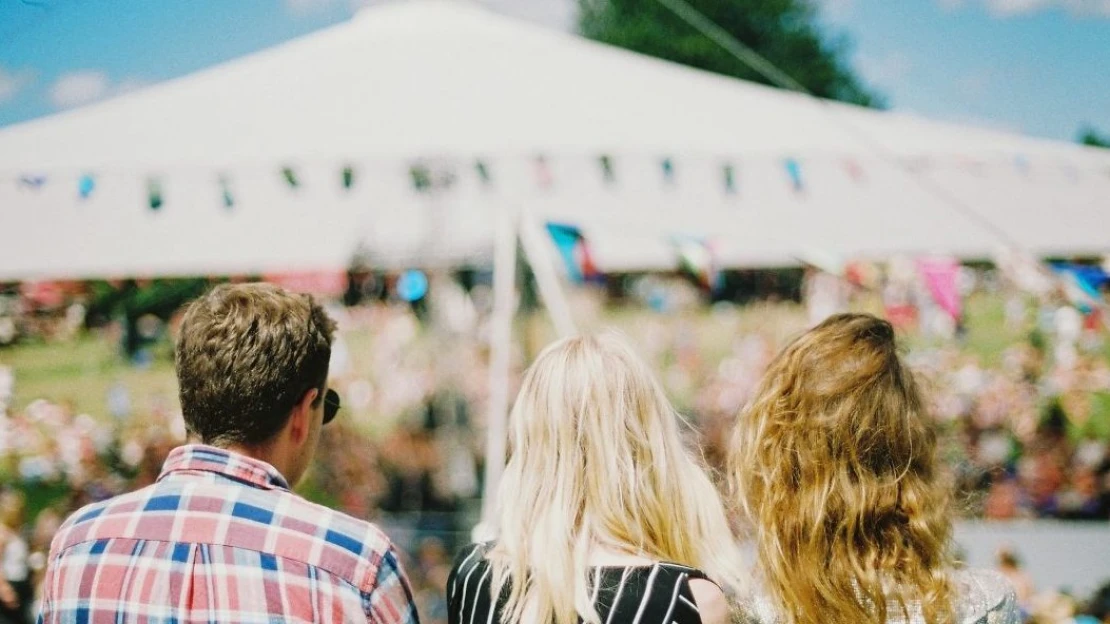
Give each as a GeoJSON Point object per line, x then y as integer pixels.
{"type": "Point", "coordinates": [1027, 436]}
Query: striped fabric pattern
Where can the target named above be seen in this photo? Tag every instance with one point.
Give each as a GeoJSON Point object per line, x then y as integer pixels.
{"type": "Point", "coordinates": [220, 538]}
{"type": "Point", "coordinates": [648, 594]}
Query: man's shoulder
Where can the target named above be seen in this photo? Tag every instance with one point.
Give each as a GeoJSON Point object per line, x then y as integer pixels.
{"type": "Point", "coordinates": [81, 520]}
{"type": "Point", "coordinates": [278, 522]}
{"type": "Point", "coordinates": [359, 537]}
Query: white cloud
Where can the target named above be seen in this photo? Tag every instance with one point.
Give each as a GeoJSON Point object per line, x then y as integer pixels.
{"type": "Point", "coordinates": [12, 83]}
{"type": "Point", "coordinates": [884, 70]}
{"type": "Point", "coordinates": [80, 87]}
{"type": "Point", "coordinates": [1014, 8]}
{"type": "Point", "coordinates": [85, 86]}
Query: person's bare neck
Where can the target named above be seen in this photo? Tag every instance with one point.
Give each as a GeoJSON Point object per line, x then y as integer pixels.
{"type": "Point", "coordinates": [261, 453]}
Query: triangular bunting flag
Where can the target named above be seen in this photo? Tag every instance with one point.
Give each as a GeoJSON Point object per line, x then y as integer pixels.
{"type": "Point", "coordinates": [697, 258]}
{"type": "Point", "coordinates": [574, 251]}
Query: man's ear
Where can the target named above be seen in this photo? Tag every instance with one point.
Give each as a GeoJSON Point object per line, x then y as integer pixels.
{"type": "Point", "coordinates": [300, 420]}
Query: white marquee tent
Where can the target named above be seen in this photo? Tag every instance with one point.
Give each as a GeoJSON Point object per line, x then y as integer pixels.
{"type": "Point", "coordinates": [448, 84]}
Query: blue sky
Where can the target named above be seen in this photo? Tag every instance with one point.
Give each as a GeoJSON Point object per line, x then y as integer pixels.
{"type": "Point", "coordinates": [1035, 66]}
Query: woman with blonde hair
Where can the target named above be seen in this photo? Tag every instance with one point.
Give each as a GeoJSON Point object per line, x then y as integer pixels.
{"type": "Point", "coordinates": [834, 466]}
{"type": "Point", "coordinates": [604, 515]}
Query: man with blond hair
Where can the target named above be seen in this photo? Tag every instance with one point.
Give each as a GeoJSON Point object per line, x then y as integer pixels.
{"type": "Point", "coordinates": [220, 537]}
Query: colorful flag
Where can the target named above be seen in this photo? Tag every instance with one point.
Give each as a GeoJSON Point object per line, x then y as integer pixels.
{"type": "Point", "coordinates": [608, 175]}
{"type": "Point", "coordinates": [794, 171]}
{"type": "Point", "coordinates": [697, 258]}
{"type": "Point", "coordinates": [544, 178]}
{"type": "Point", "coordinates": [668, 170]}
{"type": "Point", "coordinates": [729, 172]}
{"type": "Point", "coordinates": [483, 172]}
{"type": "Point", "coordinates": [941, 276]}
{"type": "Point", "coordinates": [86, 185]}
{"type": "Point", "coordinates": [855, 171]}
{"type": "Point", "coordinates": [225, 191]}
{"type": "Point", "coordinates": [290, 177]}
{"type": "Point", "coordinates": [421, 177]}
{"type": "Point", "coordinates": [32, 181]}
{"type": "Point", "coordinates": [574, 250]}
{"type": "Point", "coordinates": [154, 193]}
{"type": "Point", "coordinates": [1081, 285]}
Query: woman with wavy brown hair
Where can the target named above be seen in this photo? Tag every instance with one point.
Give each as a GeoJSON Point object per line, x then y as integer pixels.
{"type": "Point", "coordinates": [834, 466]}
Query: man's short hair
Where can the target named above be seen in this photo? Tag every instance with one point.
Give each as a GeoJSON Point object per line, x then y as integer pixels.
{"type": "Point", "coordinates": [246, 354]}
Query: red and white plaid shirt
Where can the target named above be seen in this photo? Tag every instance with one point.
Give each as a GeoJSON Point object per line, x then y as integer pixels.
{"type": "Point", "coordinates": [220, 538]}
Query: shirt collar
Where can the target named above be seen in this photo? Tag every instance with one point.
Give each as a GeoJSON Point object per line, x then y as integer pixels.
{"type": "Point", "coordinates": [203, 458]}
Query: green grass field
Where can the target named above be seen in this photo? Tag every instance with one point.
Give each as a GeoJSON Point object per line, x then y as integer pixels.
{"type": "Point", "coordinates": [80, 373]}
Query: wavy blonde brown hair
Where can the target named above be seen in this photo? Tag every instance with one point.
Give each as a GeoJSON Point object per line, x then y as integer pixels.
{"type": "Point", "coordinates": [834, 465]}
{"type": "Point", "coordinates": [598, 462]}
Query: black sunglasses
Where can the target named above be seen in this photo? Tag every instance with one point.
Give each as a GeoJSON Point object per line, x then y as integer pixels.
{"type": "Point", "coordinates": [331, 405]}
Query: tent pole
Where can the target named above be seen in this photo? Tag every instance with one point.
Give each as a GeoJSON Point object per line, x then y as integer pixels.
{"type": "Point", "coordinates": [543, 267]}
{"type": "Point", "coordinates": [501, 329]}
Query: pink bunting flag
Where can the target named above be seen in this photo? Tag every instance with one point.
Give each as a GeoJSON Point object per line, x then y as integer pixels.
{"type": "Point", "coordinates": [941, 276]}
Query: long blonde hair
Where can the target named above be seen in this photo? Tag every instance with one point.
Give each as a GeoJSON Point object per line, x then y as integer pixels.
{"type": "Point", "coordinates": [597, 459]}
{"type": "Point", "coordinates": [834, 465]}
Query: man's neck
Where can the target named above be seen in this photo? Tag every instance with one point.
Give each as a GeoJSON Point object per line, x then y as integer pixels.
{"type": "Point", "coordinates": [261, 453]}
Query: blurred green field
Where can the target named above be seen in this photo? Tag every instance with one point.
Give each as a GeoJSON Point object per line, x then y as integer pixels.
{"type": "Point", "coordinates": [81, 373]}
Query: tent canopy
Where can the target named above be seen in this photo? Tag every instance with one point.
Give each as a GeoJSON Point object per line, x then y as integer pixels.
{"type": "Point", "coordinates": [448, 84]}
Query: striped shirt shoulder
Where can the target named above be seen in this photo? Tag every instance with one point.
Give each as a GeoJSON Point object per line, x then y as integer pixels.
{"type": "Point", "coordinates": [656, 593]}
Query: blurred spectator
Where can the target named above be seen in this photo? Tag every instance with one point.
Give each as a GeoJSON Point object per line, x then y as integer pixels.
{"type": "Point", "coordinates": [15, 575]}
{"type": "Point", "coordinates": [1010, 566]}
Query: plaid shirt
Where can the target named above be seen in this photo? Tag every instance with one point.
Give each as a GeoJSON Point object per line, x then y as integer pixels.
{"type": "Point", "coordinates": [220, 538]}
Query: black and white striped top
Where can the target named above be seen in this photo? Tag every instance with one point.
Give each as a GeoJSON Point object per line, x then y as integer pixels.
{"type": "Point", "coordinates": [645, 594]}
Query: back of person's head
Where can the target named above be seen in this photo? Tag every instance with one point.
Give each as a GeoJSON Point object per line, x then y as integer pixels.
{"type": "Point", "coordinates": [598, 461]}
{"type": "Point", "coordinates": [246, 354]}
{"type": "Point", "coordinates": [833, 463]}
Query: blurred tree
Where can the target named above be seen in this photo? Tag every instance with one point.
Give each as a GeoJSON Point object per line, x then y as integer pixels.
{"type": "Point", "coordinates": [1090, 136]}
{"type": "Point", "coordinates": [785, 32]}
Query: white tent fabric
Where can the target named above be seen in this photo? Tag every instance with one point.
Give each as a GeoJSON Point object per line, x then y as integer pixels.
{"type": "Point", "coordinates": [453, 83]}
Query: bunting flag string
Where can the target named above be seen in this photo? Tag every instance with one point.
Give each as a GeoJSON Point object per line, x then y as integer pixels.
{"type": "Point", "coordinates": [574, 250]}
{"type": "Point", "coordinates": [434, 175]}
